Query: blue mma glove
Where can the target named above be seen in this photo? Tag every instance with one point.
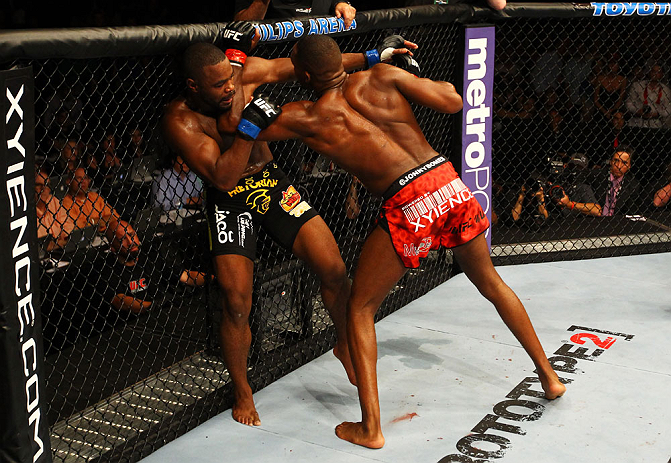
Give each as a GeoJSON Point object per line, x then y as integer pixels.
{"type": "Point", "coordinates": [258, 115]}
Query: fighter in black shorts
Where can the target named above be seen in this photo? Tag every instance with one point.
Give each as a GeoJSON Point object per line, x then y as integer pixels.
{"type": "Point", "coordinates": [265, 199]}
{"type": "Point", "coordinates": [204, 126]}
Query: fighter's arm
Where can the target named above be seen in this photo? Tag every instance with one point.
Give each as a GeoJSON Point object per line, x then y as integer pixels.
{"type": "Point", "coordinates": [259, 71]}
{"type": "Point", "coordinates": [294, 122]}
{"type": "Point", "coordinates": [201, 152]}
{"type": "Point", "coordinates": [438, 95]}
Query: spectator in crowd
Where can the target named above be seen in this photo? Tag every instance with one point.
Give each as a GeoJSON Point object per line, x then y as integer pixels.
{"type": "Point", "coordinates": [615, 189]}
{"type": "Point", "coordinates": [109, 159]}
{"type": "Point", "coordinates": [177, 186]}
{"type": "Point", "coordinates": [246, 10]}
{"type": "Point", "coordinates": [70, 155]}
{"type": "Point", "coordinates": [649, 101]}
{"type": "Point", "coordinates": [663, 194]}
{"type": "Point", "coordinates": [649, 107]}
{"type": "Point", "coordinates": [136, 276]}
{"type": "Point", "coordinates": [52, 219]}
{"type": "Point", "coordinates": [609, 91]}
{"type": "Point", "coordinates": [87, 208]}
{"type": "Point", "coordinates": [137, 145]}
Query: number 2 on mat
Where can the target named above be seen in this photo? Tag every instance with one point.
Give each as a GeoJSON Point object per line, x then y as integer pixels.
{"type": "Point", "coordinates": [604, 344]}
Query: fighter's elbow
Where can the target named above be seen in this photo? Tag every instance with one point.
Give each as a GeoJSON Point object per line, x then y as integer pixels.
{"type": "Point", "coordinates": [456, 104]}
{"type": "Point", "coordinates": [225, 185]}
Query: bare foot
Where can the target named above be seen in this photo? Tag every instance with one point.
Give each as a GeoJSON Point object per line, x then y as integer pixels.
{"type": "Point", "coordinates": [552, 386]}
{"type": "Point", "coordinates": [343, 355]}
{"type": "Point", "coordinates": [244, 412]}
{"type": "Point", "coordinates": [357, 434]}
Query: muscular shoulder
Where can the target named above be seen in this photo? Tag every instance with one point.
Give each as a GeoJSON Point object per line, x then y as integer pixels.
{"type": "Point", "coordinates": [386, 74]}
{"type": "Point", "coordinates": [178, 114]}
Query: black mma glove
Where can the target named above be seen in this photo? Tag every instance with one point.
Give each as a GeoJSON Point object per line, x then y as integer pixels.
{"type": "Point", "coordinates": [236, 39]}
{"type": "Point", "coordinates": [258, 115]}
{"type": "Point", "coordinates": [384, 51]}
{"type": "Point", "coordinates": [407, 63]}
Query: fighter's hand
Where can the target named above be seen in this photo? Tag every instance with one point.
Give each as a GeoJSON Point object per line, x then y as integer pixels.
{"type": "Point", "coordinates": [390, 46]}
{"type": "Point", "coordinates": [238, 38]}
{"type": "Point", "coordinates": [407, 63]}
{"type": "Point", "coordinates": [258, 115]}
{"type": "Point", "coordinates": [345, 11]}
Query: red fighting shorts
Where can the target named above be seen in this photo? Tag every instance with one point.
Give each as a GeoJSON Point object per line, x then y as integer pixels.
{"type": "Point", "coordinates": [429, 207]}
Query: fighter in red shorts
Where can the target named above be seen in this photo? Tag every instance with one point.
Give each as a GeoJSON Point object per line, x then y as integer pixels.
{"type": "Point", "coordinates": [364, 122]}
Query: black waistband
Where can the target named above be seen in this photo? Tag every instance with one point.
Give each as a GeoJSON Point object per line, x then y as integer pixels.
{"type": "Point", "coordinates": [398, 184]}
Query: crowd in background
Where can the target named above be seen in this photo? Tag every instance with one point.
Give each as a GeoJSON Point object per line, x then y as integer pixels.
{"type": "Point", "coordinates": [565, 105]}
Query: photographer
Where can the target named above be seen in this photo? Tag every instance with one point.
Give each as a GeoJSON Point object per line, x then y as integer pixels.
{"type": "Point", "coordinates": [615, 192]}
{"type": "Point", "coordinates": [529, 209]}
{"type": "Point", "coordinates": [573, 183]}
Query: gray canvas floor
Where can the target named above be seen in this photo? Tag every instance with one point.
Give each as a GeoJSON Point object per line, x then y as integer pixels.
{"type": "Point", "coordinates": [446, 362]}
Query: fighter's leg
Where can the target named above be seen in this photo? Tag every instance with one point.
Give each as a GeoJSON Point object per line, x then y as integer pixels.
{"type": "Point", "coordinates": [315, 245]}
{"type": "Point", "coordinates": [473, 258]}
{"type": "Point", "coordinates": [378, 270]}
{"type": "Point", "coordinates": [234, 277]}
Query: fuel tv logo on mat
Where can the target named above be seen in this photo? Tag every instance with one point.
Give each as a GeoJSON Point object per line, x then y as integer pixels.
{"type": "Point", "coordinates": [564, 362]}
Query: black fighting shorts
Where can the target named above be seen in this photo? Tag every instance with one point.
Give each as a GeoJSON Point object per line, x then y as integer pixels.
{"type": "Point", "coordinates": [266, 199]}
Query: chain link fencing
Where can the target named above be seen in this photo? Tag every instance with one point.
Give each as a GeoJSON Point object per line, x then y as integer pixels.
{"type": "Point", "coordinates": [128, 301]}
{"type": "Point", "coordinates": [569, 95]}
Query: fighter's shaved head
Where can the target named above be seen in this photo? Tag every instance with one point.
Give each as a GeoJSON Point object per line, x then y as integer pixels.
{"type": "Point", "coordinates": [317, 53]}
{"type": "Point", "coordinates": [198, 56]}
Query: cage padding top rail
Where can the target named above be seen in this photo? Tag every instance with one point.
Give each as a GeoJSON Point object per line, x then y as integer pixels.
{"type": "Point", "coordinates": [84, 43]}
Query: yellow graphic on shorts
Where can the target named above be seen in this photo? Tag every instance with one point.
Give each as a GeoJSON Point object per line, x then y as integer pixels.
{"type": "Point", "coordinates": [259, 200]}
{"type": "Point", "coordinates": [251, 184]}
{"type": "Point", "coordinates": [290, 198]}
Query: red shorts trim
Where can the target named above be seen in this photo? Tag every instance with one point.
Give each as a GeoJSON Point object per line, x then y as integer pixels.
{"type": "Point", "coordinates": [435, 209]}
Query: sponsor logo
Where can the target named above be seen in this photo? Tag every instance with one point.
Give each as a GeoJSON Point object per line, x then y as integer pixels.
{"type": "Point", "coordinates": [463, 226]}
{"type": "Point", "coordinates": [420, 170]}
{"type": "Point", "coordinates": [300, 209]}
{"type": "Point", "coordinates": [410, 250]}
{"type": "Point", "coordinates": [264, 106]}
{"type": "Point", "coordinates": [251, 184]}
{"type": "Point", "coordinates": [137, 285]}
{"type": "Point", "coordinates": [223, 235]}
{"type": "Point", "coordinates": [297, 29]}
{"type": "Point", "coordinates": [481, 444]}
{"type": "Point", "coordinates": [477, 114]}
{"type": "Point", "coordinates": [258, 200]}
{"type": "Point", "coordinates": [424, 210]}
{"type": "Point", "coordinates": [244, 226]}
{"type": "Point", "coordinates": [631, 8]}
{"type": "Point", "coordinates": [290, 198]}
{"type": "Point", "coordinates": [23, 284]}
{"type": "Point", "coordinates": [232, 35]}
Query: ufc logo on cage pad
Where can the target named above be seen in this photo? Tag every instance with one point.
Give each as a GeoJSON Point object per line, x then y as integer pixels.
{"type": "Point", "coordinates": [433, 205]}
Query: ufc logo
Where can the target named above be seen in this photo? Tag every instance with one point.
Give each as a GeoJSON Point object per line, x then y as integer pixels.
{"type": "Point", "coordinates": [232, 35]}
{"type": "Point", "coordinates": [264, 106]}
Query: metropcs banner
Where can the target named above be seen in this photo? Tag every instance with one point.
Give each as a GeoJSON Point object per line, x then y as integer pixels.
{"type": "Point", "coordinates": [24, 434]}
{"type": "Point", "coordinates": [476, 135]}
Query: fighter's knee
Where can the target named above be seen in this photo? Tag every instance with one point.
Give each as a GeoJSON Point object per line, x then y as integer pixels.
{"type": "Point", "coordinates": [334, 273]}
{"type": "Point", "coordinates": [235, 304]}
